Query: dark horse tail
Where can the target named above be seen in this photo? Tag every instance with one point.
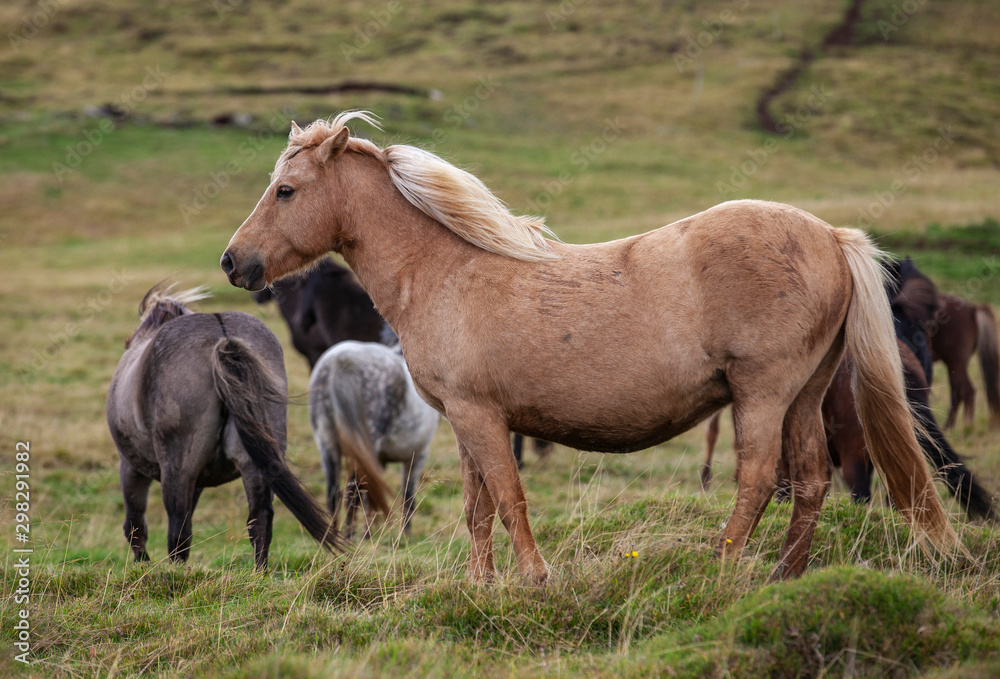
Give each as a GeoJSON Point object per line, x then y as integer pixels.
{"type": "Point", "coordinates": [989, 358]}
{"type": "Point", "coordinates": [974, 499]}
{"type": "Point", "coordinates": [244, 384]}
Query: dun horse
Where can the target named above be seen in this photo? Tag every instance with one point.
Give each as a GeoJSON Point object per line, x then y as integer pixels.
{"type": "Point", "coordinates": [199, 400]}
{"type": "Point", "coordinates": [362, 403]}
{"type": "Point", "coordinates": [610, 347]}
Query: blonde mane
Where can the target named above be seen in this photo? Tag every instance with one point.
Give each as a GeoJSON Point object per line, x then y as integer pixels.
{"type": "Point", "coordinates": [453, 197]}
{"type": "Point", "coordinates": [161, 293]}
{"type": "Point", "coordinates": [162, 304]}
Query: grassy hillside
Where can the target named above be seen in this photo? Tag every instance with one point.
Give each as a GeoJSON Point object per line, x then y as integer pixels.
{"type": "Point", "coordinates": [611, 119]}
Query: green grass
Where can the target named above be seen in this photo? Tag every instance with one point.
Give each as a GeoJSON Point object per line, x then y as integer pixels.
{"type": "Point", "coordinates": [80, 248]}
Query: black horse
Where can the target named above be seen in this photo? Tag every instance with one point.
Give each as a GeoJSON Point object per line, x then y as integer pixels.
{"type": "Point", "coordinates": [324, 306]}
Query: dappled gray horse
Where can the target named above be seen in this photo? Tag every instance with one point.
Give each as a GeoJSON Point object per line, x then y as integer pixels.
{"type": "Point", "coordinates": [362, 405]}
{"type": "Point", "coordinates": [199, 400]}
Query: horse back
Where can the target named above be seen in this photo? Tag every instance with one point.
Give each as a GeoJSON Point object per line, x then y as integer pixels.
{"type": "Point", "coordinates": [164, 386]}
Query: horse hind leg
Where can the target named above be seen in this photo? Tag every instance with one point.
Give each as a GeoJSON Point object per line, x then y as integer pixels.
{"type": "Point", "coordinates": [260, 517]}
{"type": "Point", "coordinates": [260, 497]}
{"type": "Point", "coordinates": [329, 455]}
{"type": "Point", "coordinates": [805, 452]}
{"type": "Point", "coordinates": [758, 469]}
{"type": "Point", "coordinates": [711, 436]}
{"type": "Point", "coordinates": [962, 393]}
{"type": "Point", "coordinates": [412, 469]}
{"type": "Point", "coordinates": [969, 399]}
{"type": "Point", "coordinates": [135, 492]}
{"type": "Point", "coordinates": [178, 500]}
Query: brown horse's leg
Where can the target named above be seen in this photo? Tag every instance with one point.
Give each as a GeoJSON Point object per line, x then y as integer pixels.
{"type": "Point", "coordinates": [758, 463]}
{"type": "Point", "coordinates": [479, 514]}
{"type": "Point", "coordinates": [804, 449]}
{"type": "Point", "coordinates": [962, 391]}
{"type": "Point", "coordinates": [968, 397]}
{"type": "Point", "coordinates": [810, 469]}
{"type": "Point", "coordinates": [484, 440]}
{"type": "Point", "coordinates": [135, 491]}
{"type": "Point", "coordinates": [711, 436]}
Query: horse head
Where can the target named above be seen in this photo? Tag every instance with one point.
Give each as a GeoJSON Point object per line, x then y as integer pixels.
{"type": "Point", "coordinates": [297, 219]}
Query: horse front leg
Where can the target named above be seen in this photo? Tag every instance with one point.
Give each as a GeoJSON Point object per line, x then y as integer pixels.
{"type": "Point", "coordinates": [487, 460]}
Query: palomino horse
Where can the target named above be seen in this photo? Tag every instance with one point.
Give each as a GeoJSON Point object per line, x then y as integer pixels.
{"type": "Point", "coordinates": [199, 400]}
{"type": "Point", "coordinates": [610, 347]}
{"type": "Point", "coordinates": [362, 401]}
{"type": "Point", "coordinates": [960, 330]}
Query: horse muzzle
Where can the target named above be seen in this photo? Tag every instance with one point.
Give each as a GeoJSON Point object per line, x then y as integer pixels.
{"type": "Point", "coordinates": [248, 274]}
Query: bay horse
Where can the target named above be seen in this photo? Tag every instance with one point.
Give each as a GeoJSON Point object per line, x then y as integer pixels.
{"type": "Point", "coordinates": [610, 347]}
{"type": "Point", "coordinates": [199, 400]}
{"type": "Point", "coordinates": [323, 306]}
{"type": "Point", "coordinates": [961, 329]}
{"type": "Point", "coordinates": [849, 451]}
{"type": "Point", "coordinates": [362, 402]}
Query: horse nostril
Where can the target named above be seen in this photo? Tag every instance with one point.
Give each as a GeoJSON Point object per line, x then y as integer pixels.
{"type": "Point", "coordinates": [227, 263]}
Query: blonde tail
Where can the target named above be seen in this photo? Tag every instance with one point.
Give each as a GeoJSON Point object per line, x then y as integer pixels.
{"type": "Point", "coordinates": [885, 415]}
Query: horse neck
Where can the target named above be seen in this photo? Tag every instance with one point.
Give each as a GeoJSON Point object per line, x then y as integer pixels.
{"type": "Point", "coordinates": [389, 242]}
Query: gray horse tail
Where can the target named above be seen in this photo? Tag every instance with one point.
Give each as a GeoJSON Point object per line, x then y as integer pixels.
{"type": "Point", "coordinates": [244, 384]}
{"type": "Point", "coordinates": [354, 439]}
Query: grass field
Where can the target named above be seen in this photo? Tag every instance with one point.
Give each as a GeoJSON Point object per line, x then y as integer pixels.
{"type": "Point", "coordinates": [611, 120]}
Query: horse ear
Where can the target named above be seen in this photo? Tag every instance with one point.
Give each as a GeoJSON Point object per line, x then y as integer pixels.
{"type": "Point", "coordinates": [332, 147]}
{"type": "Point", "coordinates": [295, 129]}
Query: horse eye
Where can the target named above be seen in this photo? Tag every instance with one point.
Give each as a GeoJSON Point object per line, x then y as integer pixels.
{"type": "Point", "coordinates": [285, 191]}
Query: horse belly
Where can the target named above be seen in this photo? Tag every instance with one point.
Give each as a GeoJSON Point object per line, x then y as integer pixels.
{"type": "Point", "coordinates": [621, 423]}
